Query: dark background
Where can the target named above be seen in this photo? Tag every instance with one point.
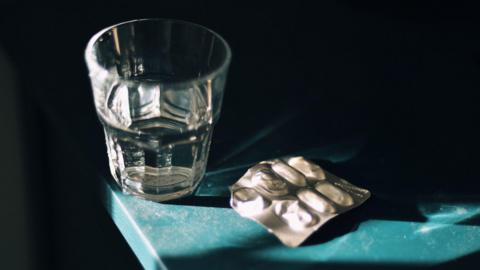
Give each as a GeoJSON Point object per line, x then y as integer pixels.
{"type": "Point", "coordinates": [401, 76]}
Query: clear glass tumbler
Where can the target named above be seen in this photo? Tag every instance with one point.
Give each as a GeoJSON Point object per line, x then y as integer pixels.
{"type": "Point", "coordinates": [158, 88]}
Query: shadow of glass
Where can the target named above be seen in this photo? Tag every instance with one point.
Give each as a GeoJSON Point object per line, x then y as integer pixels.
{"type": "Point", "coordinates": [206, 201]}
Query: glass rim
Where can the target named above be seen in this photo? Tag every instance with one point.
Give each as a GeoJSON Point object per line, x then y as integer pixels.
{"type": "Point", "coordinates": [92, 63]}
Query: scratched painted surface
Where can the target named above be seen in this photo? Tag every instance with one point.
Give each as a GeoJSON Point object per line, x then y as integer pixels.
{"type": "Point", "coordinates": [178, 236]}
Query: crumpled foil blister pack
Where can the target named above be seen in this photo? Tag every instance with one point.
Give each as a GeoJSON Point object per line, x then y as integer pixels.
{"type": "Point", "coordinates": [293, 197]}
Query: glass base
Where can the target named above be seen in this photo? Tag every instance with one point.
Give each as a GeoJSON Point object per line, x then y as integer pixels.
{"type": "Point", "coordinates": [160, 184]}
{"type": "Point", "coordinates": [160, 197]}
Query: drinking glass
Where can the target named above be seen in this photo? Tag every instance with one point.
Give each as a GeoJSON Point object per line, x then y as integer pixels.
{"type": "Point", "coordinates": [158, 88]}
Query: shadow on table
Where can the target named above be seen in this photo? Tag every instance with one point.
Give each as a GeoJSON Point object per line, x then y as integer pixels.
{"type": "Point", "coordinates": [213, 201]}
{"type": "Point", "coordinates": [378, 207]}
{"type": "Point", "coordinates": [249, 262]}
{"type": "Point", "coordinates": [400, 190]}
{"type": "Point", "coordinates": [246, 259]}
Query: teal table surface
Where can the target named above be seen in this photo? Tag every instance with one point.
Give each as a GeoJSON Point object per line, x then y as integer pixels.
{"type": "Point", "coordinates": [203, 232]}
